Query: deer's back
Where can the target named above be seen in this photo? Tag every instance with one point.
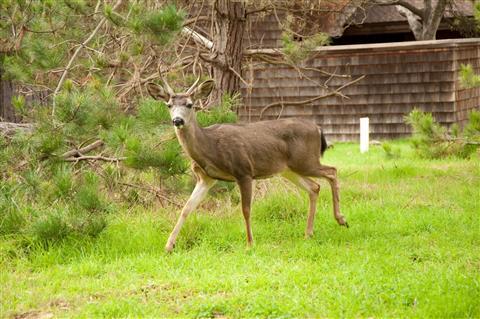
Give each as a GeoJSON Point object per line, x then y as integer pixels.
{"type": "Point", "coordinates": [262, 149]}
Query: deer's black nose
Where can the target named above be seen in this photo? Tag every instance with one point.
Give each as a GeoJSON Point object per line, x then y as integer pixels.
{"type": "Point", "coordinates": [178, 121]}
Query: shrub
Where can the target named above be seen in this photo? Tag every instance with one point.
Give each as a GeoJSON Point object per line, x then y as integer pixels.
{"type": "Point", "coordinates": [224, 113]}
{"type": "Point", "coordinates": [11, 220]}
{"type": "Point", "coordinates": [468, 78]}
{"type": "Point", "coordinates": [72, 199]}
{"type": "Point", "coordinates": [50, 227]}
{"type": "Point", "coordinates": [431, 140]}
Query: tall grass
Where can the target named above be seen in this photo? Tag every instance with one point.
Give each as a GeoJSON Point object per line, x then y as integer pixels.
{"type": "Point", "coordinates": [411, 251]}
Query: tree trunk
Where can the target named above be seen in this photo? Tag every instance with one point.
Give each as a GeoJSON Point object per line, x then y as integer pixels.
{"type": "Point", "coordinates": [425, 27]}
{"type": "Point", "coordinates": [7, 88]}
{"type": "Point", "coordinates": [230, 17]}
{"type": "Point", "coordinates": [432, 18]}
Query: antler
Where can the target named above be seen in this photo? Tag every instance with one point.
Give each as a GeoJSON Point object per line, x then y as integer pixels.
{"type": "Point", "coordinates": [167, 86]}
{"type": "Point", "coordinates": [190, 90]}
{"type": "Point", "coordinates": [165, 83]}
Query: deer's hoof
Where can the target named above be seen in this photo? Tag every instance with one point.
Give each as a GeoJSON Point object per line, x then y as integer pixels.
{"type": "Point", "coordinates": [308, 235]}
{"type": "Point", "coordinates": [346, 224]}
{"type": "Point", "coordinates": [169, 247]}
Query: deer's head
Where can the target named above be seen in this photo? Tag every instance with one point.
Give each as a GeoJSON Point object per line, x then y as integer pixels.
{"type": "Point", "coordinates": [180, 105]}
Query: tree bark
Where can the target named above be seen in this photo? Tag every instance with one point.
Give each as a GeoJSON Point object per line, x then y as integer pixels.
{"type": "Point", "coordinates": [432, 17]}
{"type": "Point", "coordinates": [424, 22]}
{"type": "Point", "coordinates": [7, 88]}
{"type": "Point", "coordinates": [230, 17]}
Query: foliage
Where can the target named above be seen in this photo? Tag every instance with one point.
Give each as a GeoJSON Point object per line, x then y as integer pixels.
{"type": "Point", "coordinates": [69, 199]}
{"type": "Point", "coordinates": [39, 45]}
{"type": "Point", "coordinates": [296, 51]}
{"type": "Point", "coordinates": [431, 140]}
{"type": "Point", "coordinates": [477, 11]}
{"type": "Point", "coordinates": [468, 78]}
{"type": "Point", "coordinates": [223, 113]}
{"type": "Point", "coordinates": [164, 24]}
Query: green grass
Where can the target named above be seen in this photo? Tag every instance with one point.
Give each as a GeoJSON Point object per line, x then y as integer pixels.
{"type": "Point", "coordinates": [412, 251]}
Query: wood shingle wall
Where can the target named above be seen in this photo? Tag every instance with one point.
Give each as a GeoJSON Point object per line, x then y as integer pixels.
{"type": "Point", "coordinates": [399, 77]}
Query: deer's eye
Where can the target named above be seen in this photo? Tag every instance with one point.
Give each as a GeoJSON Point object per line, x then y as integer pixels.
{"type": "Point", "coordinates": [189, 105]}
{"type": "Point", "coordinates": [169, 105]}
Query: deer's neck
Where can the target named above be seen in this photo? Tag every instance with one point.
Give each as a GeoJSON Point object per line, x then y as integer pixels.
{"type": "Point", "coordinates": [192, 138]}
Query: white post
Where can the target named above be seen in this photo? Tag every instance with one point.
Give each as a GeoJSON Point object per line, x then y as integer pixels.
{"type": "Point", "coordinates": [364, 134]}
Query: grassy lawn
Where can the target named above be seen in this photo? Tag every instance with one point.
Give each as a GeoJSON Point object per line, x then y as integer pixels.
{"type": "Point", "coordinates": [412, 251]}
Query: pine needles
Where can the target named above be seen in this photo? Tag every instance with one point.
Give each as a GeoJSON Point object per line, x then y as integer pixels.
{"type": "Point", "coordinates": [431, 140]}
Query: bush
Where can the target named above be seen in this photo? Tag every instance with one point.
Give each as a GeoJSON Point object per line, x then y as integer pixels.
{"type": "Point", "coordinates": [72, 199]}
{"type": "Point", "coordinates": [431, 140]}
{"type": "Point", "coordinates": [468, 78]}
{"type": "Point", "coordinates": [51, 227]}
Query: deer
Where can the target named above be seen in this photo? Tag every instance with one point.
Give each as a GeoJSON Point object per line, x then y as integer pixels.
{"type": "Point", "coordinates": [242, 153]}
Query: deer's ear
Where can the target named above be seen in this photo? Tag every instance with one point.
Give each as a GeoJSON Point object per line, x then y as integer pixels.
{"type": "Point", "coordinates": [203, 90]}
{"type": "Point", "coordinates": [157, 92]}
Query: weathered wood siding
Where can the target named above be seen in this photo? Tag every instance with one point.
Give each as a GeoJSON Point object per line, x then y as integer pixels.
{"type": "Point", "coordinates": [399, 77]}
{"type": "Point", "coordinates": [466, 99]}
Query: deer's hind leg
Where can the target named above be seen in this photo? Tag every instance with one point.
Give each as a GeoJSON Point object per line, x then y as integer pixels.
{"type": "Point", "coordinates": [245, 185]}
{"type": "Point", "coordinates": [330, 174]}
{"type": "Point", "coordinates": [313, 189]}
{"type": "Point", "coordinates": [204, 183]}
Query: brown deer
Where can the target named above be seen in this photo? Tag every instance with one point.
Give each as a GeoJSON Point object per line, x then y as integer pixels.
{"type": "Point", "coordinates": [243, 152]}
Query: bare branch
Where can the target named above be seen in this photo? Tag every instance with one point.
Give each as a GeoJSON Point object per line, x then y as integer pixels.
{"type": "Point", "coordinates": [270, 60]}
{"type": "Point", "coordinates": [198, 38]}
{"type": "Point", "coordinates": [335, 92]}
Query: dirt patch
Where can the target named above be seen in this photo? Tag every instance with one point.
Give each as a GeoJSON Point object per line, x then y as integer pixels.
{"type": "Point", "coordinates": [58, 304]}
{"type": "Point", "coordinates": [34, 314]}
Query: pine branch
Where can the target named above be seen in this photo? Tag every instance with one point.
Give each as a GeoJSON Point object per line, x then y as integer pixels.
{"type": "Point", "coordinates": [77, 51]}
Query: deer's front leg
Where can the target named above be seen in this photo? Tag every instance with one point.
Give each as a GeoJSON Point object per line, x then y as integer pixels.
{"type": "Point", "coordinates": [245, 185]}
{"type": "Point", "coordinates": [204, 183]}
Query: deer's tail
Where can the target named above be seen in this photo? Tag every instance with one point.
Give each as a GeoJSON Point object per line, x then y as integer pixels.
{"type": "Point", "coordinates": [323, 142]}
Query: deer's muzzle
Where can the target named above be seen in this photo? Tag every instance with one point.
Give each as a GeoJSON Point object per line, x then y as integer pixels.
{"type": "Point", "coordinates": [178, 122]}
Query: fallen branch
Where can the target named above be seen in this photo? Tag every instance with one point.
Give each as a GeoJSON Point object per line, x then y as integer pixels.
{"type": "Point", "coordinates": [78, 152]}
{"type": "Point", "coordinates": [335, 92]}
{"type": "Point", "coordinates": [9, 129]}
{"type": "Point", "coordinates": [95, 158]}
{"type": "Point", "coordinates": [151, 190]}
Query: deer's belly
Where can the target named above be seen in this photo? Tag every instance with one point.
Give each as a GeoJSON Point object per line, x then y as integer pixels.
{"type": "Point", "coordinates": [215, 173]}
